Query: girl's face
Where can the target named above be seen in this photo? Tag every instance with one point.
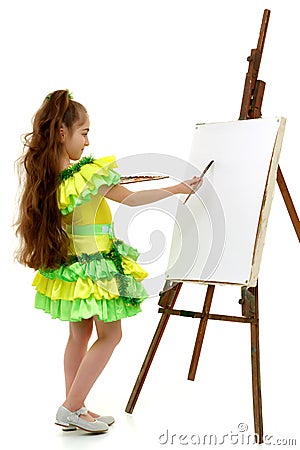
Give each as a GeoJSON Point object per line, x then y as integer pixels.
{"type": "Point", "coordinates": [75, 141]}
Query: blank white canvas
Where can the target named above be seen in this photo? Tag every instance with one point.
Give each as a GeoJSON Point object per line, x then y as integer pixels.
{"type": "Point", "coordinates": [219, 233]}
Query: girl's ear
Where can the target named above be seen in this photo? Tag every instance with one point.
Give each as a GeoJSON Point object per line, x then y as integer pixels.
{"type": "Point", "coordinates": [62, 134]}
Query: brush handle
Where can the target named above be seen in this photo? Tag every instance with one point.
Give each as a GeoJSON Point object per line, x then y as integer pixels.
{"type": "Point", "coordinates": [201, 176]}
{"type": "Point", "coordinates": [206, 169]}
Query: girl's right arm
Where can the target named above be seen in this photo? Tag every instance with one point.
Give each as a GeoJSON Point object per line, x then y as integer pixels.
{"type": "Point", "coordinates": [120, 194]}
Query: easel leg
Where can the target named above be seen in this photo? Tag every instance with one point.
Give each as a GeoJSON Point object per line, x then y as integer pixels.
{"type": "Point", "coordinates": [288, 202]}
{"type": "Point", "coordinates": [170, 302]}
{"type": "Point", "coordinates": [256, 380]}
{"type": "Point", "coordinates": [201, 332]}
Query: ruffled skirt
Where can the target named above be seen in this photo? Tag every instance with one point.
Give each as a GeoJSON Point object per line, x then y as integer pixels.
{"type": "Point", "coordinates": [104, 284]}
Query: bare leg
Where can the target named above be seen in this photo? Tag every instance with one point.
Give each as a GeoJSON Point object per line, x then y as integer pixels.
{"type": "Point", "coordinates": [80, 333]}
{"type": "Point", "coordinates": [93, 363]}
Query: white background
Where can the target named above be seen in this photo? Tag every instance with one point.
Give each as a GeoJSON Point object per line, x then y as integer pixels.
{"type": "Point", "coordinates": [148, 71]}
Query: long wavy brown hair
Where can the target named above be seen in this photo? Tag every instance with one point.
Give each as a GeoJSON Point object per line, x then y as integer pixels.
{"type": "Point", "coordinates": [43, 240]}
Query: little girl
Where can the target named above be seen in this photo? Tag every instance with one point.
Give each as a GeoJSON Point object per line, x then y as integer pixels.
{"type": "Point", "coordinates": [85, 275]}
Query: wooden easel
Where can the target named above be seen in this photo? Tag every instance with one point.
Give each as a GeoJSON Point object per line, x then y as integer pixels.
{"type": "Point", "coordinates": [250, 109]}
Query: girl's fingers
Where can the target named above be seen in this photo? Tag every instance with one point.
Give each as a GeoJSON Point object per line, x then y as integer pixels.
{"type": "Point", "coordinates": [196, 180]}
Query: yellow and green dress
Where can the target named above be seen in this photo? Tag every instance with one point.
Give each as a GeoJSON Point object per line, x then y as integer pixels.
{"type": "Point", "coordinates": [101, 277]}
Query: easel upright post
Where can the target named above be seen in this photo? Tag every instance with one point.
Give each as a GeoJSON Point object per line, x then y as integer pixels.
{"type": "Point", "coordinates": [255, 363]}
{"type": "Point", "coordinates": [254, 88]}
{"type": "Point", "coordinates": [251, 109]}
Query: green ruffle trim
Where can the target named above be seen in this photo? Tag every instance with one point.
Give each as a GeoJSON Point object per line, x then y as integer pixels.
{"type": "Point", "coordinates": [70, 171]}
{"type": "Point", "coordinates": [84, 179]}
{"type": "Point", "coordinates": [97, 268]}
{"type": "Point", "coordinates": [100, 266]}
{"type": "Point", "coordinates": [76, 310]}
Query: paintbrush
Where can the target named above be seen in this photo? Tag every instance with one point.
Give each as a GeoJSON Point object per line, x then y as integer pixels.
{"type": "Point", "coordinates": [201, 176]}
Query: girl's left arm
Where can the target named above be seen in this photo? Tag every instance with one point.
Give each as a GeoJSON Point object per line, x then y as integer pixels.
{"type": "Point", "coordinates": [120, 194]}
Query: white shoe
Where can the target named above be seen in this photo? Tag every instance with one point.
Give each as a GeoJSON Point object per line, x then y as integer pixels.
{"type": "Point", "coordinates": [109, 420]}
{"type": "Point", "coordinates": [65, 418]}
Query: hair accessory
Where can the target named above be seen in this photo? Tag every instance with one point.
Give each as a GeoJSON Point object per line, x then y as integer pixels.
{"type": "Point", "coordinates": [70, 96]}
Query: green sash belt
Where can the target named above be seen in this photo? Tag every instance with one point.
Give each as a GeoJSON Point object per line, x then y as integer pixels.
{"type": "Point", "coordinates": [91, 229]}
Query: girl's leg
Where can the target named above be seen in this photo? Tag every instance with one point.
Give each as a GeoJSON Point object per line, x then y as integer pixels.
{"type": "Point", "coordinates": [76, 348]}
{"type": "Point", "coordinates": [93, 363]}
